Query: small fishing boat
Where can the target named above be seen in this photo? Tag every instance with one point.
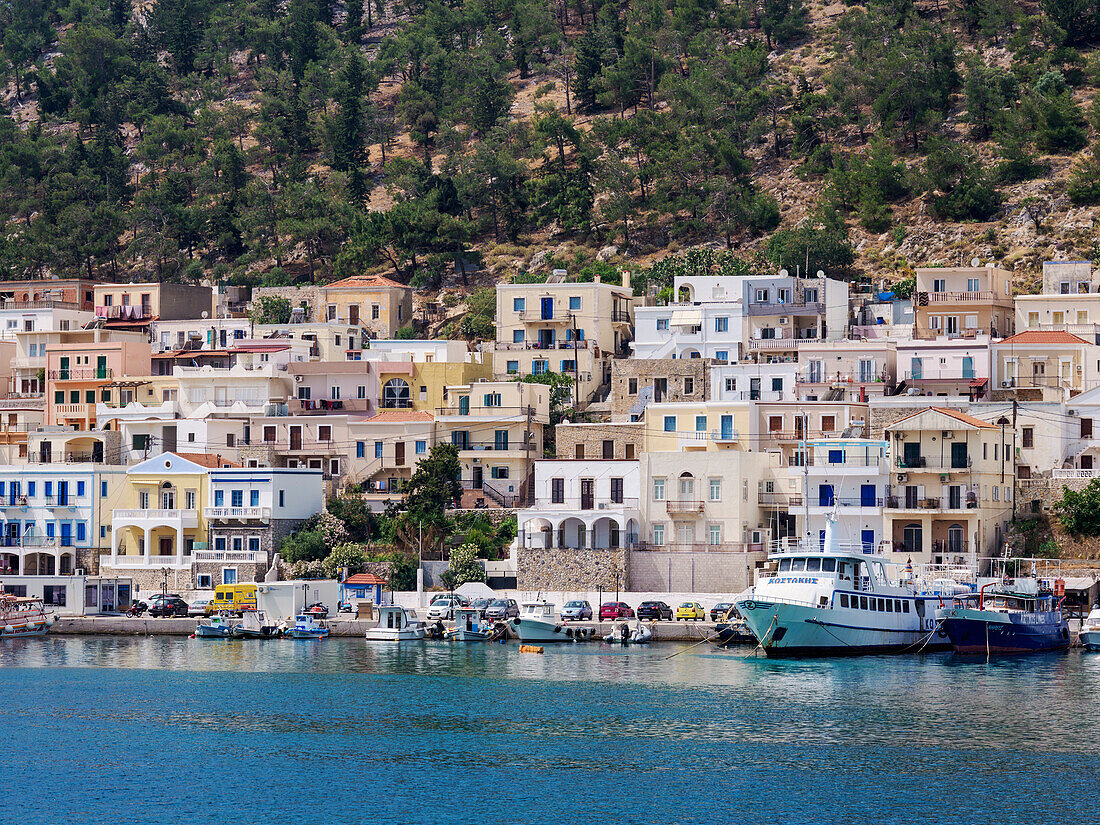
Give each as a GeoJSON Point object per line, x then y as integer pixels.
{"type": "Point", "coordinates": [733, 632]}
{"type": "Point", "coordinates": [1021, 615]}
{"type": "Point", "coordinates": [629, 633]}
{"type": "Point", "coordinates": [215, 627]}
{"type": "Point", "coordinates": [1090, 630]}
{"type": "Point", "coordinates": [537, 622]}
{"type": "Point", "coordinates": [307, 626]}
{"type": "Point", "coordinates": [396, 624]}
{"type": "Point", "coordinates": [471, 627]}
{"type": "Point", "coordinates": [23, 617]}
{"type": "Point", "coordinates": [255, 625]}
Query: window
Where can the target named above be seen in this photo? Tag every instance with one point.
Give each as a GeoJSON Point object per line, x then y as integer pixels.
{"type": "Point", "coordinates": [282, 498]}
{"type": "Point", "coordinates": [360, 449]}
{"type": "Point", "coordinates": [568, 365]}
{"type": "Point", "coordinates": [731, 385]}
{"type": "Point", "coordinates": [81, 531]}
{"type": "Point", "coordinates": [219, 498]}
{"type": "Point", "coordinates": [395, 394]}
{"type": "Point", "coordinates": [972, 285]}
{"type": "Point", "coordinates": [662, 324]}
{"type": "Point", "coordinates": [761, 296]}
{"type": "Point", "coordinates": [236, 498]}
{"type": "Point", "coordinates": [79, 489]}
{"type": "Point", "coordinates": [617, 490]}
{"type": "Point", "coordinates": [540, 367]}
{"type": "Point", "coordinates": [722, 355]}
{"type": "Point", "coordinates": [377, 449]}
{"type": "Point", "coordinates": [721, 324]}
{"type": "Point", "coordinates": [574, 302]}
{"type": "Point", "coordinates": [513, 367]}
{"type": "Point", "coordinates": [141, 441]}
{"type": "Point", "coordinates": [939, 285]}
{"type": "Point", "coordinates": [1029, 437]}
{"type": "Point", "coordinates": [689, 386]}
{"type": "Point", "coordinates": [421, 447]}
{"type": "Point", "coordinates": [253, 498]}
{"type": "Point", "coordinates": [492, 399]}
{"type": "Point", "coordinates": [375, 312]}
{"type": "Point", "coordinates": [632, 386]}
{"type": "Point", "coordinates": [670, 423]}
{"type": "Point", "coordinates": [519, 304]}
{"type": "Point", "coordinates": [189, 498]}
{"type": "Point", "coordinates": [716, 489]}
{"type": "Point", "coordinates": [777, 385]}
{"type": "Point", "coordinates": [500, 439]}
{"type": "Point", "coordinates": [700, 423]}
{"type": "Point", "coordinates": [499, 472]}
{"type": "Point", "coordinates": [714, 533]}
{"type": "Point", "coordinates": [103, 488]}
{"type": "Point", "coordinates": [658, 489]}
{"type": "Point", "coordinates": [59, 397]}
{"type": "Point", "coordinates": [557, 491]}
{"type": "Point", "coordinates": [324, 433]}
{"type": "Point", "coordinates": [658, 535]}
{"type": "Point", "coordinates": [361, 391]}
{"type": "Point", "coordinates": [518, 336]}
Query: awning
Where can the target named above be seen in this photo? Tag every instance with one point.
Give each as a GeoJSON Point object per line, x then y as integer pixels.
{"type": "Point", "coordinates": [687, 318]}
{"type": "Point", "coordinates": [1079, 582]}
{"type": "Point", "coordinates": [979, 382]}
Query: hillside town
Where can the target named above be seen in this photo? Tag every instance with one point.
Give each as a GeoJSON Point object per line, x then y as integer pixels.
{"type": "Point", "coordinates": [166, 436]}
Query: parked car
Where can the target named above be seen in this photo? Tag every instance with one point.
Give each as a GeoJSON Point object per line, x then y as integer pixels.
{"type": "Point", "coordinates": [481, 605]}
{"type": "Point", "coordinates": [690, 611]}
{"type": "Point", "coordinates": [655, 610]}
{"type": "Point", "coordinates": [576, 611]}
{"type": "Point", "coordinates": [616, 610]}
{"type": "Point", "coordinates": [720, 610]}
{"type": "Point", "coordinates": [444, 608]}
{"type": "Point", "coordinates": [198, 607]}
{"type": "Point", "coordinates": [172, 606]}
{"type": "Point", "coordinates": [500, 609]}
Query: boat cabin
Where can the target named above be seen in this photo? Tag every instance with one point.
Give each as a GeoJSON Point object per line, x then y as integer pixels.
{"type": "Point", "coordinates": [394, 617]}
{"type": "Point", "coordinates": [538, 610]}
{"type": "Point", "coordinates": [469, 618]}
{"type": "Point", "coordinates": [863, 574]}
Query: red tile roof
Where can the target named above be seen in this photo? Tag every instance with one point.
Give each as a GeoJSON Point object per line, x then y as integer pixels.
{"type": "Point", "coordinates": [398, 416]}
{"type": "Point", "coordinates": [210, 460]}
{"type": "Point", "coordinates": [366, 282]}
{"type": "Point", "coordinates": [958, 416]}
{"type": "Point", "coordinates": [1034, 336]}
{"type": "Point", "coordinates": [364, 578]}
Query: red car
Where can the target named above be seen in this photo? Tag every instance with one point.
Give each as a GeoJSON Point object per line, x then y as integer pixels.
{"type": "Point", "coordinates": [616, 610]}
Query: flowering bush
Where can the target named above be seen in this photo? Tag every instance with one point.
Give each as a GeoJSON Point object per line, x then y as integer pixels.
{"type": "Point", "coordinates": [347, 555]}
{"type": "Point", "coordinates": [332, 529]}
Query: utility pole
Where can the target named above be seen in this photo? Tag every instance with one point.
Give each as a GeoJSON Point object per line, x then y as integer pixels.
{"type": "Point", "coordinates": [806, 477]}
{"type": "Point", "coordinates": [576, 370]}
{"type": "Point", "coordinates": [526, 488]}
{"type": "Point", "coordinates": [1015, 405]}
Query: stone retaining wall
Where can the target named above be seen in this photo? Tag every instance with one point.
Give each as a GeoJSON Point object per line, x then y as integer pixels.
{"type": "Point", "coordinates": [1047, 491]}
{"type": "Point", "coordinates": [554, 569]}
{"type": "Point", "coordinates": [727, 573]}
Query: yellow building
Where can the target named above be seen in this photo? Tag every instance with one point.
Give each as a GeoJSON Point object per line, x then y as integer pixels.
{"type": "Point", "coordinates": [963, 302]}
{"type": "Point", "coordinates": [697, 425]}
{"type": "Point", "coordinates": [377, 304]}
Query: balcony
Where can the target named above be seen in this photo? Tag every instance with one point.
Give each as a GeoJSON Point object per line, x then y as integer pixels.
{"type": "Point", "coordinates": [684, 507]}
{"type": "Point", "coordinates": [695, 547]}
{"type": "Point", "coordinates": [237, 513]}
{"type": "Point", "coordinates": [241, 556]}
{"type": "Point", "coordinates": [40, 305]}
{"type": "Point", "coordinates": [724, 436]}
{"type": "Point", "coordinates": [857, 501]}
{"type": "Point", "coordinates": [969, 502]}
{"type": "Point", "coordinates": [556, 345]}
{"type": "Point", "coordinates": [932, 464]}
{"type": "Point", "coordinates": [1075, 472]}
{"type": "Point", "coordinates": [779, 343]}
{"type": "Point", "coordinates": [75, 411]}
{"type": "Point", "coordinates": [777, 499]}
{"type": "Point", "coordinates": [789, 308]}
{"type": "Point", "coordinates": [493, 446]}
{"type": "Point", "coordinates": [177, 562]}
{"type": "Point", "coordinates": [124, 313]}
{"type": "Point", "coordinates": [306, 406]}
{"type": "Point", "coordinates": [536, 316]}
{"type": "Point", "coordinates": [180, 519]}
{"type": "Point", "coordinates": [620, 316]}
{"type": "Point", "coordinates": [942, 375]}
{"type": "Point", "coordinates": [82, 374]}
{"type": "Point", "coordinates": [67, 457]}
{"type": "Point", "coordinates": [577, 503]}
{"type": "Point", "coordinates": [980, 297]}
{"type": "Point", "coordinates": [477, 411]}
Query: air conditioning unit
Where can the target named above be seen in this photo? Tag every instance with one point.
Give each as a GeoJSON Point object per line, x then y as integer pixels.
{"type": "Point", "coordinates": [944, 477]}
{"type": "Point", "coordinates": [902, 478]}
{"type": "Point", "coordinates": [947, 434]}
{"type": "Point", "coordinates": [601, 506]}
{"type": "Point", "coordinates": [783, 320]}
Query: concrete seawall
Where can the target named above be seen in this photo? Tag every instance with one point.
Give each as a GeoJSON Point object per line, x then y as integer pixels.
{"type": "Point", "coordinates": [140, 626]}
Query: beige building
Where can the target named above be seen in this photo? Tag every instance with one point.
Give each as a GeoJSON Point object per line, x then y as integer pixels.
{"type": "Point", "coordinates": [149, 301]}
{"type": "Point", "coordinates": [569, 328]}
{"type": "Point", "coordinates": [951, 490]}
{"type": "Point", "coordinates": [846, 370]}
{"type": "Point", "coordinates": [376, 305]}
{"type": "Point", "coordinates": [963, 301]}
{"type": "Point", "coordinates": [387, 447]}
{"type": "Point", "coordinates": [1045, 366]}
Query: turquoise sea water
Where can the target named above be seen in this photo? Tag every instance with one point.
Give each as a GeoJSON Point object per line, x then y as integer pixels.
{"type": "Point", "coordinates": [119, 730]}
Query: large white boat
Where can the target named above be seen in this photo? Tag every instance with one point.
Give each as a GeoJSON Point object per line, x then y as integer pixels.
{"type": "Point", "coordinates": [23, 617]}
{"type": "Point", "coordinates": [837, 601]}
{"type": "Point", "coordinates": [396, 624]}
{"type": "Point", "coordinates": [1090, 630]}
{"type": "Point", "coordinates": [537, 622]}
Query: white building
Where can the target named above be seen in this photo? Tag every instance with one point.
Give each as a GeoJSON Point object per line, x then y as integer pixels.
{"type": "Point", "coordinates": [582, 504]}
{"type": "Point", "coordinates": [754, 381]}
{"type": "Point", "coordinates": [40, 316]}
{"type": "Point", "coordinates": [851, 477]}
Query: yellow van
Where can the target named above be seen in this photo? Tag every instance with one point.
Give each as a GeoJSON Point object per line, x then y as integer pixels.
{"type": "Point", "coordinates": [232, 598]}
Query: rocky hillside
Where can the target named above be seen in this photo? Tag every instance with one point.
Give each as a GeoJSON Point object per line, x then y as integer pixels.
{"type": "Point", "coordinates": [281, 140]}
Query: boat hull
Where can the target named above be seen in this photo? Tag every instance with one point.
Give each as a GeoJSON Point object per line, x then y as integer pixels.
{"type": "Point", "coordinates": [21, 630]}
{"type": "Point", "coordinates": [307, 634]}
{"type": "Point", "coordinates": [788, 630]}
{"type": "Point", "coordinates": [536, 630]}
{"type": "Point", "coordinates": [207, 632]}
{"type": "Point", "coordinates": [981, 631]}
{"type": "Point", "coordinates": [265, 633]}
{"type": "Point", "coordinates": [1091, 639]}
{"type": "Point", "coordinates": [386, 634]}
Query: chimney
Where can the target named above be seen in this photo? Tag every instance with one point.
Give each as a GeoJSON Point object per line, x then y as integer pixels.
{"type": "Point", "coordinates": [626, 280]}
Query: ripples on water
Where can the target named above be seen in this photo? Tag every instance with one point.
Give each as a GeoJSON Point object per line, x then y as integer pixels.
{"type": "Point", "coordinates": [340, 731]}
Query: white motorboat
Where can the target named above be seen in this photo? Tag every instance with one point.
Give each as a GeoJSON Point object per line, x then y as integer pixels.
{"type": "Point", "coordinates": [23, 617]}
{"type": "Point", "coordinates": [537, 622]}
{"type": "Point", "coordinates": [396, 624]}
{"type": "Point", "coordinates": [629, 633]}
{"type": "Point", "coordinates": [1090, 630]}
{"type": "Point", "coordinates": [836, 601]}
{"type": "Point", "coordinates": [255, 625]}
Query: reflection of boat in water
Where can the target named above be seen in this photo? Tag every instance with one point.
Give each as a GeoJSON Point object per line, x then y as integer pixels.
{"type": "Point", "coordinates": [471, 626]}
{"type": "Point", "coordinates": [629, 633]}
{"type": "Point", "coordinates": [215, 627]}
{"type": "Point", "coordinates": [255, 625]}
{"type": "Point", "coordinates": [307, 626]}
{"type": "Point", "coordinates": [23, 617]}
{"type": "Point", "coordinates": [1090, 630]}
{"type": "Point", "coordinates": [733, 632]}
{"type": "Point", "coordinates": [1022, 615]}
{"type": "Point", "coordinates": [396, 624]}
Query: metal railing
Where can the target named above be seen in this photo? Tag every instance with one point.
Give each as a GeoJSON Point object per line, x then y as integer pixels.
{"type": "Point", "coordinates": [575, 503]}
{"type": "Point", "coordinates": [932, 463]}
{"type": "Point", "coordinates": [1075, 472]}
{"type": "Point", "coordinates": [620, 316]}
{"type": "Point", "coordinates": [40, 304]}
{"type": "Point", "coordinates": [67, 457]}
{"type": "Point", "coordinates": [942, 375]}
{"type": "Point", "coordinates": [555, 345]}
{"type": "Point", "coordinates": [793, 307]}
{"type": "Point", "coordinates": [82, 374]}
{"type": "Point", "coordinates": [493, 446]}
{"type": "Point", "coordinates": [688, 506]}
{"type": "Point", "coordinates": [969, 502]}
{"type": "Point", "coordinates": [777, 499]}
{"type": "Point", "coordinates": [217, 513]}
{"type": "Point", "coordinates": [476, 410]}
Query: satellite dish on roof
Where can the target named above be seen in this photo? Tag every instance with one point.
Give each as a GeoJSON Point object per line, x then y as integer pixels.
{"type": "Point", "coordinates": [975, 262]}
{"type": "Point", "coordinates": [205, 314]}
{"type": "Point", "coordinates": [783, 273]}
{"type": "Point", "coordinates": [821, 273]}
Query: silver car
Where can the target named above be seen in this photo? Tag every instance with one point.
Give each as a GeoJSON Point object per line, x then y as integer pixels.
{"type": "Point", "coordinates": [444, 608]}
{"type": "Point", "coordinates": [576, 611]}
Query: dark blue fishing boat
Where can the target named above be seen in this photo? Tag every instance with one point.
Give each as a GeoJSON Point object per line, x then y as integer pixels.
{"type": "Point", "coordinates": [1016, 616]}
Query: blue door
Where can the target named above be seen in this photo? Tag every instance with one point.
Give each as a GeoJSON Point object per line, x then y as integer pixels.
{"type": "Point", "coordinates": [825, 495]}
{"type": "Point", "coordinates": [547, 309]}
{"type": "Point", "coordinates": [66, 534]}
{"type": "Point", "coordinates": [63, 493]}
{"type": "Point", "coordinates": [867, 537]}
{"type": "Point", "coordinates": [727, 427]}
{"type": "Point", "coordinates": [867, 495]}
